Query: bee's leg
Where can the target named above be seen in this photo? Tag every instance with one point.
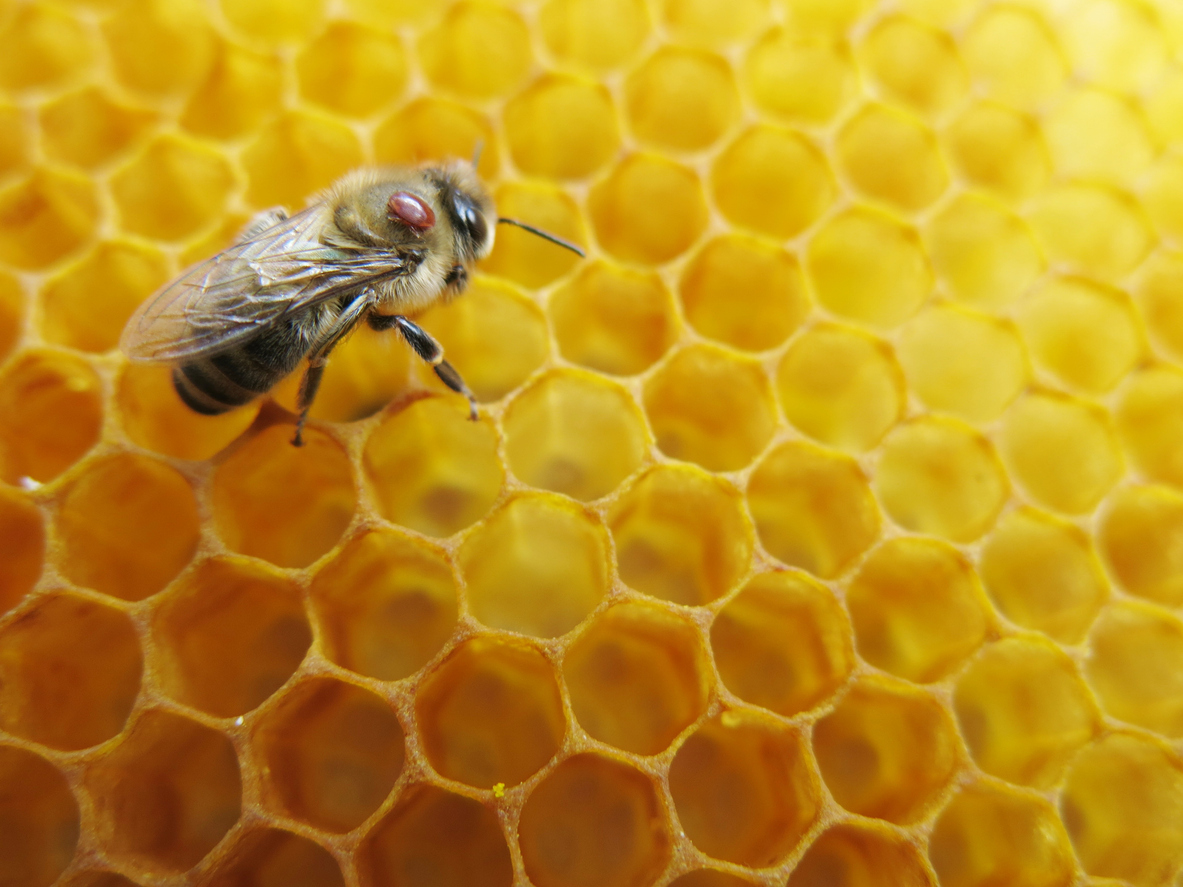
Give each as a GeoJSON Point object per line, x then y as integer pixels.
{"type": "Point", "coordinates": [428, 349]}
{"type": "Point", "coordinates": [308, 388]}
{"type": "Point", "coordinates": [260, 222]}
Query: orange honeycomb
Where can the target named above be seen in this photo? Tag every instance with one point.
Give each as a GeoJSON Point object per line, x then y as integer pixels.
{"type": "Point", "coordinates": [824, 528]}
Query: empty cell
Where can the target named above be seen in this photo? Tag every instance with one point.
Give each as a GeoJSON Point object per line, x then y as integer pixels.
{"type": "Point", "coordinates": [229, 636]}
{"type": "Point", "coordinates": [1118, 45]}
{"type": "Point", "coordinates": [594, 822]}
{"type": "Point", "coordinates": [743, 292]}
{"type": "Point", "coordinates": [1024, 711]}
{"type": "Point", "coordinates": [490, 713]}
{"type": "Point", "coordinates": [1042, 573]}
{"type": "Point", "coordinates": [1158, 293]}
{"type": "Point", "coordinates": [704, 22]}
{"type": "Point", "coordinates": [51, 412]}
{"type": "Point", "coordinates": [352, 70]}
{"type": "Point", "coordinates": [83, 657]}
{"type": "Point", "coordinates": [708, 407]}
{"type": "Point", "coordinates": [917, 608]}
{"type": "Point", "coordinates": [296, 155]}
{"type": "Point", "coordinates": [574, 433]}
{"type": "Point", "coordinates": [638, 677]}
{"type": "Point", "coordinates": [22, 546]}
{"type": "Point", "coordinates": [648, 210]}
{"type": "Point", "coordinates": [160, 48]}
{"type": "Point", "coordinates": [783, 643]}
{"type": "Point", "coordinates": [478, 50]}
{"type": "Point", "coordinates": [989, 834]}
{"type": "Point", "coordinates": [813, 508]}
{"type": "Point", "coordinates": [45, 217]}
{"type": "Point", "coordinates": [331, 752]}
{"type": "Point", "coordinates": [1097, 135]}
{"type": "Point", "coordinates": [1141, 537]}
{"type": "Point", "coordinates": [1162, 195]}
{"type": "Point", "coordinates": [860, 856]}
{"type": "Point", "coordinates": [1013, 56]}
{"type": "Point", "coordinates": [681, 99]}
{"type": "Point", "coordinates": [681, 535]}
{"type": "Point", "coordinates": [431, 128]}
{"type": "Point", "coordinates": [87, 128]}
{"type": "Point", "coordinates": [891, 157]}
{"type": "Point", "coordinates": [1085, 335]}
{"type": "Point", "coordinates": [1091, 229]}
{"type": "Point", "coordinates": [443, 838]}
{"type": "Point", "coordinates": [887, 751]}
{"type": "Point", "coordinates": [612, 319]}
{"type": "Point", "coordinates": [745, 791]}
{"type": "Point", "coordinates": [983, 254]}
{"type": "Point", "coordinates": [241, 89]}
{"type": "Point", "coordinates": [269, 857]}
{"type": "Point", "coordinates": [824, 19]}
{"type": "Point", "coordinates": [538, 566]}
{"type": "Point", "coordinates": [12, 313]}
{"type": "Point", "coordinates": [562, 127]}
{"type": "Point", "coordinates": [271, 22]}
{"type": "Point", "coordinates": [914, 65]}
{"type": "Point", "coordinates": [386, 604]}
{"type": "Point", "coordinates": [165, 794]}
{"type": "Point", "coordinates": [939, 476]}
{"type": "Point", "coordinates": [39, 822]}
{"type": "Point", "coordinates": [709, 878]}
{"type": "Point", "coordinates": [998, 149]}
{"type": "Point", "coordinates": [283, 503]}
{"type": "Point", "coordinates": [526, 258]}
{"type": "Point", "coordinates": [42, 47]}
{"type": "Point", "coordinates": [431, 469]}
{"type": "Point", "coordinates": [865, 266]}
{"type": "Point", "coordinates": [773, 181]}
{"type": "Point", "coordinates": [594, 34]}
{"type": "Point", "coordinates": [841, 387]}
{"type": "Point", "coordinates": [799, 79]}
{"type": "Point", "coordinates": [1150, 422]}
{"type": "Point", "coordinates": [1120, 804]}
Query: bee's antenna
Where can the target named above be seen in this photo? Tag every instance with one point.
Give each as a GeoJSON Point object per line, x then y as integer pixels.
{"type": "Point", "coordinates": [565, 244]}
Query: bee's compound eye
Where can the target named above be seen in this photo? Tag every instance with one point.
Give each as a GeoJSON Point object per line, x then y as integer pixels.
{"type": "Point", "coordinates": [470, 219]}
{"type": "Point", "coordinates": [411, 210]}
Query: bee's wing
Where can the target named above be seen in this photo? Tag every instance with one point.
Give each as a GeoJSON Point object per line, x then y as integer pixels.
{"type": "Point", "coordinates": [218, 303]}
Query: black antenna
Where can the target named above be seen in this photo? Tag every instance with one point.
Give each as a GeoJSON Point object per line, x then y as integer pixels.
{"type": "Point", "coordinates": [565, 244]}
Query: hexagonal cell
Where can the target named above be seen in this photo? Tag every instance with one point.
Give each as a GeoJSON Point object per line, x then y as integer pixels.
{"type": "Point", "coordinates": [596, 34]}
{"type": "Point", "coordinates": [561, 127]}
{"type": "Point", "coordinates": [165, 794]}
{"type": "Point", "coordinates": [917, 609]}
{"type": "Point", "coordinates": [615, 320]}
{"type": "Point", "coordinates": [574, 433]}
{"type": "Point", "coordinates": [888, 751]}
{"type": "Point", "coordinates": [707, 406]}
{"type": "Point", "coordinates": [1097, 135]}
{"type": "Point", "coordinates": [12, 312]}
{"type": "Point", "coordinates": [1092, 230]}
{"type": "Point", "coordinates": [441, 838]}
{"type": "Point", "coordinates": [240, 90]}
{"type": "Point", "coordinates": [22, 546]}
{"type": "Point", "coordinates": [161, 47]}
{"type": "Point", "coordinates": [431, 128]}
{"type": "Point", "coordinates": [1024, 711]}
{"type": "Point", "coordinates": [1135, 665]}
{"type": "Point", "coordinates": [527, 258]}
{"type": "Point", "coordinates": [992, 835]}
{"type": "Point", "coordinates": [295, 155]}
{"type": "Point", "coordinates": [1086, 335]}
{"type": "Point", "coordinates": [1062, 451]}
{"type": "Point", "coordinates": [431, 469]}
{"type": "Point", "coordinates": [841, 387]}
{"type": "Point", "coordinates": [1043, 574]}
{"type": "Point", "coordinates": [127, 526]}
{"type": "Point", "coordinates": [783, 642]}
{"type": "Point", "coordinates": [709, 878]}
{"type": "Point", "coordinates": [982, 252]}
{"type": "Point", "coordinates": [648, 210]}
{"type": "Point", "coordinates": [704, 22]}
{"type": "Point", "coordinates": [1157, 292]}
{"type": "Point", "coordinates": [386, 604]}
{"type": "Point", "coordinates": [1148, 419]}
{"type": "Point", "coordinates": [478, 50]}
{"type": "Point", "coordinates": [939, 476]}
{"type": "Point", "coordinates": [42, 47]}
{"type": "Point", "coordinates": [867, 267]}
{"type": "Point", "coordinates": [229, 636]}
{"type": "Point", "coordinates": [351, 69]}
{"type": "Point", "coordinates": [799, 79]}
{"type": "Point", "coordinates": [857, 855]}
{"type": "Point", "coordinates": [998, 149]}
{"type": "Point", "coordinates": [773, 181]}
{"type": "Point", "coordinates": [490, 713]}
{"type": "Point", "coordinates": [681, 99]}
{"type": "Point", "coordinates": [538, 565]}
{"type": "Point", "coordinates": [681, 535]}
{"type": "Point", "coordinates": [892, 157]}
{"type": "Point", "coordinates": [51, 412]}
{"type": "Point", "coordinates": [1012, 56]}
{"type": "Point", "coordinates": [285, 504]}
{"type": "Point", "coordinates": [595, 822]}
{"type": "Point", "coordinates": [813, 508]}
{"type": "Point", "coordinates": [822, 19]}
{"type": "Point", "coordinates": [1141, 537]}
{"type": "Point", "coordinates": [267, 22]}
{"type": "Point", "coordinates": [87, 128]}
{"type": "Point", "coordinates": [270, 857]}
{"type": "Point", "coordinates": [914, 64]}
{"type": "Point", "coordinates": [1120, 805]}
{"type": "Point", "coordinates": [332, 752]}
{"type": "Point", "coordinates": [745, 792]}
{"type": "Point", "coordinates": [45, 217]}
{"type": "Point", "coordinates": [743, 292]}
{"type": "Point", "coordinates": [1119, 46]}
{"type": "Point", "coordinates": [638, 677]}
{"type": "Point", "coordinates": [39, 824]}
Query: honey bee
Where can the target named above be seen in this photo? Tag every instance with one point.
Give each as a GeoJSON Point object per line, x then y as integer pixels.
{"type": "Point", "coordinates": [379, 245]}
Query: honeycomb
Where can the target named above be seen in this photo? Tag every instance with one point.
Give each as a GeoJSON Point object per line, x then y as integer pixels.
{"type": "Point", "coordinates": [823, 527]}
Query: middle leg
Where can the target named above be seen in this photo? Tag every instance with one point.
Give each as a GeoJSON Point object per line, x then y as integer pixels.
{"type": "Point", "coordinates": [428, 349]}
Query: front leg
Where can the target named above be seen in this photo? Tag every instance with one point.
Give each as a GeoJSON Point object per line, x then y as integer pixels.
{"type": "Point", "coordinates": [428, 349]}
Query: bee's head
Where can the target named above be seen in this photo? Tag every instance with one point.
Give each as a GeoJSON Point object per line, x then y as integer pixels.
{"type": "Point", "coordinates": [469, 209]}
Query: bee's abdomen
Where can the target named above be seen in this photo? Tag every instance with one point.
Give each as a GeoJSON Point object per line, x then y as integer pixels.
{"type": "Point", "coordinates": [221, 383]}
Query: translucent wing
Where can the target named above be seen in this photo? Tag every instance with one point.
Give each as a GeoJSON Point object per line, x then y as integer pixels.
{"type": "Point", "coordinates": [254, 284]}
